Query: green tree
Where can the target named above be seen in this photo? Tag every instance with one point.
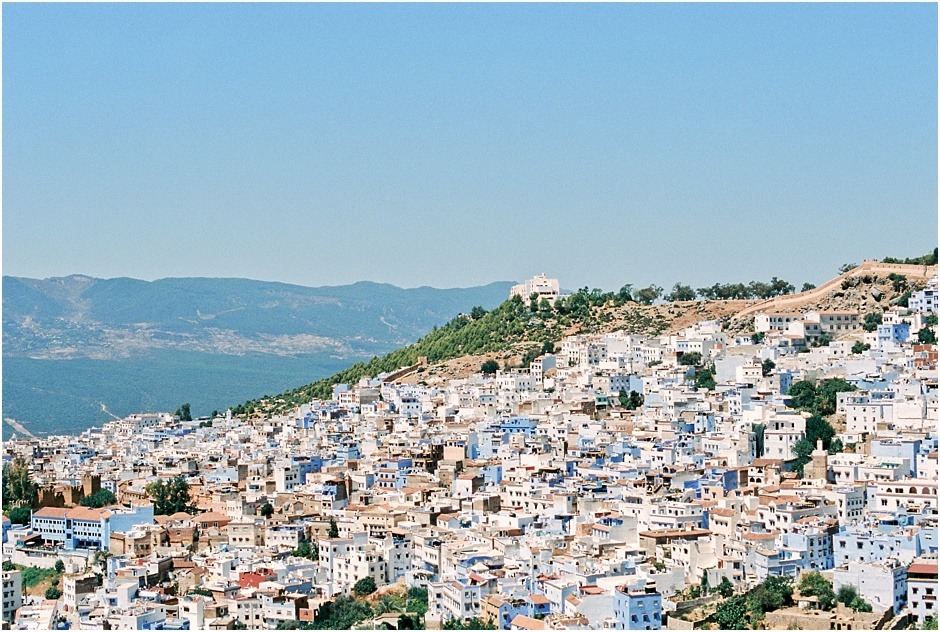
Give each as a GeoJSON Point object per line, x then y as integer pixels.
{"type": "Point", "coordinates": [813, 584]}
{"type": "Point", "coordinates": [184, 413]}
{"type": "Point", "coordinates": [417, 600]}
{"type": "Point", "coordinates": [767, 367]}
{"type": "Point", "coordinates": [725, 588]}
{"type": "Point", "coordinates": [101, 498]}
{"type": "Point", "coordinates": [365, 586]}
{"type": "Point", "coordinates": [773, 593]}
{"type": "Point", "coordinates": [872, 320]}
{"type": "Point", "coordinates": [53, 592]}
{"type": "Point", "coordinates": [624, 398]}
{"type": "Point", "coordinates": [827, 392]}
{"type": "Point", "coordinates": [267, 510]}
{"type": "Point", "coordinates": [680, 293]}
{"type": "Point", "coordinates": [648, 295]}
{"type": "Point", "coordinates": [389, 602]}
{"type": "Point", "coordinates": [802, 395]}
{"type": "Point", "coordinates": [845, 267]}
{"type": "Point", "coordinates": [817, 429]}
{"type": "Point", "coordinates": [704, 378]}
{"type": "Point", "coordinates": [489, 367]}
{"type": "Point", "coordinates": [779, 287]}
{"type": "Point", "coordinates": [807, 287]}
{"type": "Point", "coordinates": [691, 358]}
{"type": "Point", "coordinates": [477, 312]}
{"type": "Point", "coordinates": [625, 294]}
{"type": "Point", "coordinates": [309, 550]}
{"type": "Point", "coordinates": [860, 347]}
{"type": "Point", "coordinates": [633, 401]}
{"type": "Point", "coordinates": [860, 605]}
{"type": "Point", "coordinates": [170, 497]}
{"type": "Point", "coordinates": [926, 336]}
{"type": "Point", "coordinates": [846, 594]}
{"type": "Point", "coordinates": [8, 566]}
{"type": "Point", "coordinates": [20, 515]}
{"type": "Point", "coordinates": [59, 566]}
{"type": "Point", "coordinates": [930, 623]}
{"type": "Point", "coordinates": [18, 487]}
{"type": "Point", "coordinates": [341, 614]}
{"type": "Point", "coordinates": [732, 613]}
{"type": "Point", "coordinates": [758, 337]}
{"type": "Point", "coordinates": [898, 281]}
{"type": "Point", "coordinates": [334, 530]}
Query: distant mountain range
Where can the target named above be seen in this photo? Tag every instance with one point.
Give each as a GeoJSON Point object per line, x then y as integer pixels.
{"type": "Point", "coordinates": [73, 345]}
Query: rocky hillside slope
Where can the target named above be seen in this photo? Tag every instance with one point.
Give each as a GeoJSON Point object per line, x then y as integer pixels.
{"type": "Point", "coordinates": [517, 331]}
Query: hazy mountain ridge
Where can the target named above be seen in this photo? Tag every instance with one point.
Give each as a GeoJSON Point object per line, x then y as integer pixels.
{"type": "Point", "coordinates": [79, 316]}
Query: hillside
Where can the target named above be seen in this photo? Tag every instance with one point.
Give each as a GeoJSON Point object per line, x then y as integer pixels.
{"type": "Point", "coordinates": [517, 331]}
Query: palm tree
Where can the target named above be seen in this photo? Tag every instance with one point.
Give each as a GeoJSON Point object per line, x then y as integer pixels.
{"type": "Point", "coordinates": [389, 602]}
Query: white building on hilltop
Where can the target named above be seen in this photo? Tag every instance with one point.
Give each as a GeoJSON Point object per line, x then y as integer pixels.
{"type": "Point", "coordinates": [546, 288]}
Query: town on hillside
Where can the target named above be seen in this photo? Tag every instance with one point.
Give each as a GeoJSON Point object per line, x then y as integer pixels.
{"type": "Point", "coordinates": [781, 475]}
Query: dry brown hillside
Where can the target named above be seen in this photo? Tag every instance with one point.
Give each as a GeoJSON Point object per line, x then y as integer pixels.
{"type": "Point", "coordinates": [866, 288]}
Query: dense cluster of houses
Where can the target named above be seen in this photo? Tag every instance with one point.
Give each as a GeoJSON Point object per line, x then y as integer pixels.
{"type": "Point", "coordinates": [539, 497]}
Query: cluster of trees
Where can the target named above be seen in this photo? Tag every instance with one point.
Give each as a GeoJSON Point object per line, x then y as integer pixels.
{"type": "Point", "coordinates": [344, 611]}
{"type": "Point", "coordinates": [340, 614]}
{"type": "Point", "coordinates": [860, 347]}
{"type": "Point", "coordinates": [821, 399]}
{"type": "Point", "coordinates": [739, 612]}
{"type": "Point", "coordinates": [725, 588]}
{"type": "Point", "coordinates": [735, 291]}
{"type": "Point", "coordinates": [930, 259]}
{"type": "Point", "coordinates": [632, 401]}
{"type": "Point", "coordinates": [767, 367]}
{"type": "Point", "coordinates": [20, 493]}
{"type": "Point", "coordinates": [817, 429]}
{"type": "Point", "coordinates": [184, 413]}
{"type": "Point", "coordinates": [170, 497]}
{"type": "Point", "coordinates": [814, 584]}
{"type": "Point", "coordinates": [871, 321]}
{"type": "Point", "coordinates": [927, 336]}
{"type": "Point", "coordinates": [309, 550]}
{"type": "Point", "coordinates": [101, 498]}
{"type": "Point", "coordinates": [691, 358]}
{"type": "Point", "coordinates": [365, 586]}
{"type": "Point", "coordinates": [705, 378]}
{"type": "Point", "coordinates": [489, 367]}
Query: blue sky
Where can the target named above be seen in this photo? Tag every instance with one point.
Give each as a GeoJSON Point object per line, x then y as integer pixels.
{"type": "Point", "coordinates": [454, 145]}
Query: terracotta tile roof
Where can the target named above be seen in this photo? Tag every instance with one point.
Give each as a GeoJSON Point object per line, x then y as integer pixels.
{"type": "Point", "coordinates": [51, 512]}
{"type": "Point", "coordinates": [727, 513]}
{"type": "Point", "coordinates": [528, 623]}
{"type": "Point", "coordinates": [86, 513]}
{"type": "Point", "coordinates": [210, 516]}
{"type": "Point", "coordinates": [923, 568]}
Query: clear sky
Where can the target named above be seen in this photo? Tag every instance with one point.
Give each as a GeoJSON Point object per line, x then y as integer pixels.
{"type": "Point", "coordinates": [454, 145]}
